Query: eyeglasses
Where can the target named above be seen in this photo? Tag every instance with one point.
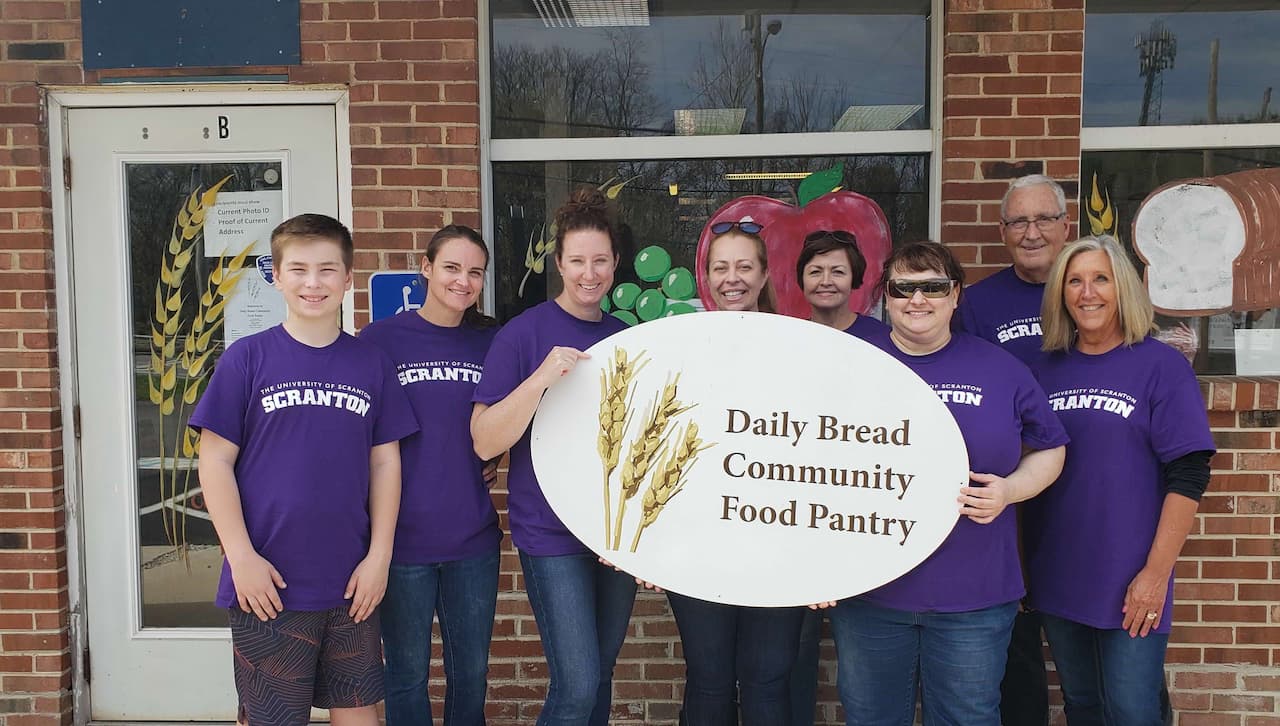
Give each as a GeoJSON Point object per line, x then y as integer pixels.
{"type": "Point", "coordinates": [935, 287]}
{"type": "Point", "coordinates": [1044, 222]}
{"type": "Point", "coordinates": [838, 235]}
{"type": "Point", "coordinates": [746, 226]}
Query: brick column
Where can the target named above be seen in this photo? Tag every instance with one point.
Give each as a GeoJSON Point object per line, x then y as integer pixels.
{"type": "Point", "coordinates": [38, 44]}
{"type": "Point", "coordinates": [415, 124]}
{"type": "Point", "coordinates": [1011, 103]}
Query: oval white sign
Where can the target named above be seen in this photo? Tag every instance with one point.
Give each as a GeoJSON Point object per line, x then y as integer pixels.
{"type": "Point", "coordinates": [750, 459]}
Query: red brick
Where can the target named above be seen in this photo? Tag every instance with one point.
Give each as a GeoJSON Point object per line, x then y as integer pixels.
{"type": "Point", "coordinates": [385, 70]}
{"type": "Point", "coordinates": [1258, 462]}
{"type": "Point", "coordinates": [34, 10]}
{"type": "Point", "coordinates": [977, 64]}
{"type": "Point", "coordinates": [1060, 42]}
{"type": "Point", "coordinates": [1020, 85]}
{"type": "Point", "coordinates": [1042, 148]}
{"type": "Point", "coordinates": [1051, 63]}
{"type": "Point", "coordinates": [1012, 126]}
{"type": "Point", "coordinates": [1015, 43]}
{"type": "Point", "coordinates": [978, 22]}
{"type": "Point", "coordinates": [1049, 106]}
{"type": "Point", "coordinates": [447, 113]}
{"type": "Point", "coordinates": [1258, 547]}
{"type": "Point", "coordinates": [410, 92]}
{"type": "Point", "coordinates": [1065, 20]}
{"type": "Point", "coordinates": [445, 29]}
{"type": "Point", "coordinates": [1208, 719]}
{"type": "Point", "coordinates": [1255, 656]}
{"type": "Point", "coordinates": [961, 86]}
{"type": "Point", "coordinates": [350, 10]}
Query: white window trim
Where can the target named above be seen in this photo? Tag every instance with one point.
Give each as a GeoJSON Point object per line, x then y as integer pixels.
{"type": "Point", "coordinates": [925, 141]}
{"type": "Point", "coordinates": [726, 146]}
{"type": "Point", "coordinates": [1206, 136]}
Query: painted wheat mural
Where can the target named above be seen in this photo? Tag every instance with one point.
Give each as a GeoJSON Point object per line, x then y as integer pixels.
{"type": "Point", "coordinates": [185, 329]}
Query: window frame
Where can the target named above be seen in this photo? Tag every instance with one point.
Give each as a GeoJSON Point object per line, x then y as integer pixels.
{"type": "Point", "coordinates": [830, 143]}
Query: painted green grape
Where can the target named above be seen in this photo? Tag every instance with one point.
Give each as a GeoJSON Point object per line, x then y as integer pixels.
{"type": "Point", "coordinates": [626, 317]}
{"type": "Point", "coordinates": [651, 305]}
{"type": "Point", "coordinates": [679, 284]}
{"type": "Point", "coordinates": [652, 263]}
{"type": "Point", "coordinates": [624, 295]}
{"type": "Point", "coordinates": [679, 308]}
{"type": "Point", "coordinates": [604, 304]}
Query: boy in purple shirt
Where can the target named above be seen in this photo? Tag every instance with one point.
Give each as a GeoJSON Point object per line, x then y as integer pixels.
{"type": "Point", "coordinates": [300, 468]}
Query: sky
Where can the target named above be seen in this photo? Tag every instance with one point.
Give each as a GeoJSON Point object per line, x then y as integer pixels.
{"type": "Point", "coordinates": [1248, 63]}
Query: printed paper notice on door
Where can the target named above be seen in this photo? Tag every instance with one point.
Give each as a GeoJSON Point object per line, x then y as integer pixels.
{"type": "Point", "coordinates": [240, 218]}
{"type": "Point", "coordinates": [254, 306]}
{"type": "Point", "coordinates": [750, 459]}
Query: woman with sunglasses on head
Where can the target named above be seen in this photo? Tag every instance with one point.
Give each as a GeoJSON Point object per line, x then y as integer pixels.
{"type": "Point", "coordinates": [1101, 544]}
{"type": "Point", "coordinates": [445, 562]}
{"type": "Point", "coordinates": [736, 658]}
{"type": "Point", "coordinates": [945, 625]}
{"type": "Point", "coordinates": [829, 269]}
{"type": "Point", "coordinates": [582, 607]}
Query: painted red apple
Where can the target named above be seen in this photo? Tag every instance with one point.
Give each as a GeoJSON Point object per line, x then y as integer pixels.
{"type": "Point", "coordinates": [786, 226]}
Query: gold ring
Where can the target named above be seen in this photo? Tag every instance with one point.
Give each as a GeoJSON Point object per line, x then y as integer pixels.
{"type": "Point", "coordinates": [1151, 616]}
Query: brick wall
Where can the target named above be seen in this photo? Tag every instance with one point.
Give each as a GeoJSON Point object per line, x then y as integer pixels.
{"type": "Point", "coordinates": [1224, 653]}
{"type": "Point", "coordinates": [1011, 93]}
{"type": "Point", "coordinates": [1011, 106]}
{"type": "Point", "coordinates": [38, 43]}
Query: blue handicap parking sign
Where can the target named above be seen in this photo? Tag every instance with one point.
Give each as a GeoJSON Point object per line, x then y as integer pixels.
{"type": "Point", "coordinates": [391, 293]}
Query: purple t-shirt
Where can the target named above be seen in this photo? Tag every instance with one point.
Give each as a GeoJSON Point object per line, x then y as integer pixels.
{"type": "Point", "coordinates": [869, 329]}
{"type": "Point", "coordinates": [517, 351]}
{"type": "Point", "coordinates": [1128, 411]}
{"type": "Point", "coordinates": [1004, 309]}
{"type": "Point", "coordinates": [305, 420]}
{"type": "Point", "coordinates": [446, 513]}
{"type": "Point", "coordinates": [999, 409]}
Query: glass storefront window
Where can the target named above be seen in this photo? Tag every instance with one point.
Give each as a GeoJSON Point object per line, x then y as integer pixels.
{"type": "Point", "coordinates": [666, 203]}
{"type": "Point", "coordinates": [1229, 241]}
{"type": "Point", "coordinates": [1179, 62]}
{"type": "Point", "coordinates": [565, 70]}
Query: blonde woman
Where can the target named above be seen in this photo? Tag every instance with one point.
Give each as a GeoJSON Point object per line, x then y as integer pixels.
{"type": "Point", "coordinates": [1101, 543]}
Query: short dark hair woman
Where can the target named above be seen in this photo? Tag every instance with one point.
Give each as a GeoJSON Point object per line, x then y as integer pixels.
{"type": "Point", "coordinates": [945, 625]}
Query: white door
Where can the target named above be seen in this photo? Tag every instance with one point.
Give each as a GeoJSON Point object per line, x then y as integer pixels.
{"type": "Point", "coordinates": [171, 210]}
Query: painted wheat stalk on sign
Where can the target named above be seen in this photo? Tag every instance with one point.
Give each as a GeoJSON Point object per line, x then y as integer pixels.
{"type": "Point", "coordinates": [645, 448]}
{"type": "Point", "coordinates": [615, 411]}
{"type": "Point", "coordinates": [669, 478]}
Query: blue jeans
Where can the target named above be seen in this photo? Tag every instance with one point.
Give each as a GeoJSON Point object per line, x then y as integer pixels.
{"type": "Point", "coordinates": [1108, 678]}
{"type": "Point", "coordinates": [736, 654]}
{"type": "Point", "coordinates": [582, 609]}
{"type": "Point", "coordinates": [463, 595]}
{"type": "Point", "coordinates": [804, 673]}
{"type": "Point", "coordinates": [955, 659]}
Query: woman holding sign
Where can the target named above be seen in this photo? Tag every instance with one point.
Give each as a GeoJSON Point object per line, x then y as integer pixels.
{"type": "Point", "coordinates": [582, 607]}
{"type": "Point", "coordinates": [1102, 543]}
{"type": "Point", "coordinates": [945, 624]}
{"type": "Point", "coordinates": [445, 561]}
{"type": "Point", "coordinates": [733, 654]}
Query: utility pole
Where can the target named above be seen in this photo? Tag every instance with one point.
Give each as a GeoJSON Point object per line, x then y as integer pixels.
{"type": "Point", "coordinates": [1211, 112]}
{"type": "Point", "coordinates": [1156, 50]}
{"type": "Point", "coordinates": [759, 39]}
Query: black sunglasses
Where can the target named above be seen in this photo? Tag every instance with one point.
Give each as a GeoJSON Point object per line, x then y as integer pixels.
{"type": "Point", "coordinates": [746, 226]}
{"type": "Point", "coordinates": [934, 287]}
{"type": "Point", "coordinates": [838, 235]}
